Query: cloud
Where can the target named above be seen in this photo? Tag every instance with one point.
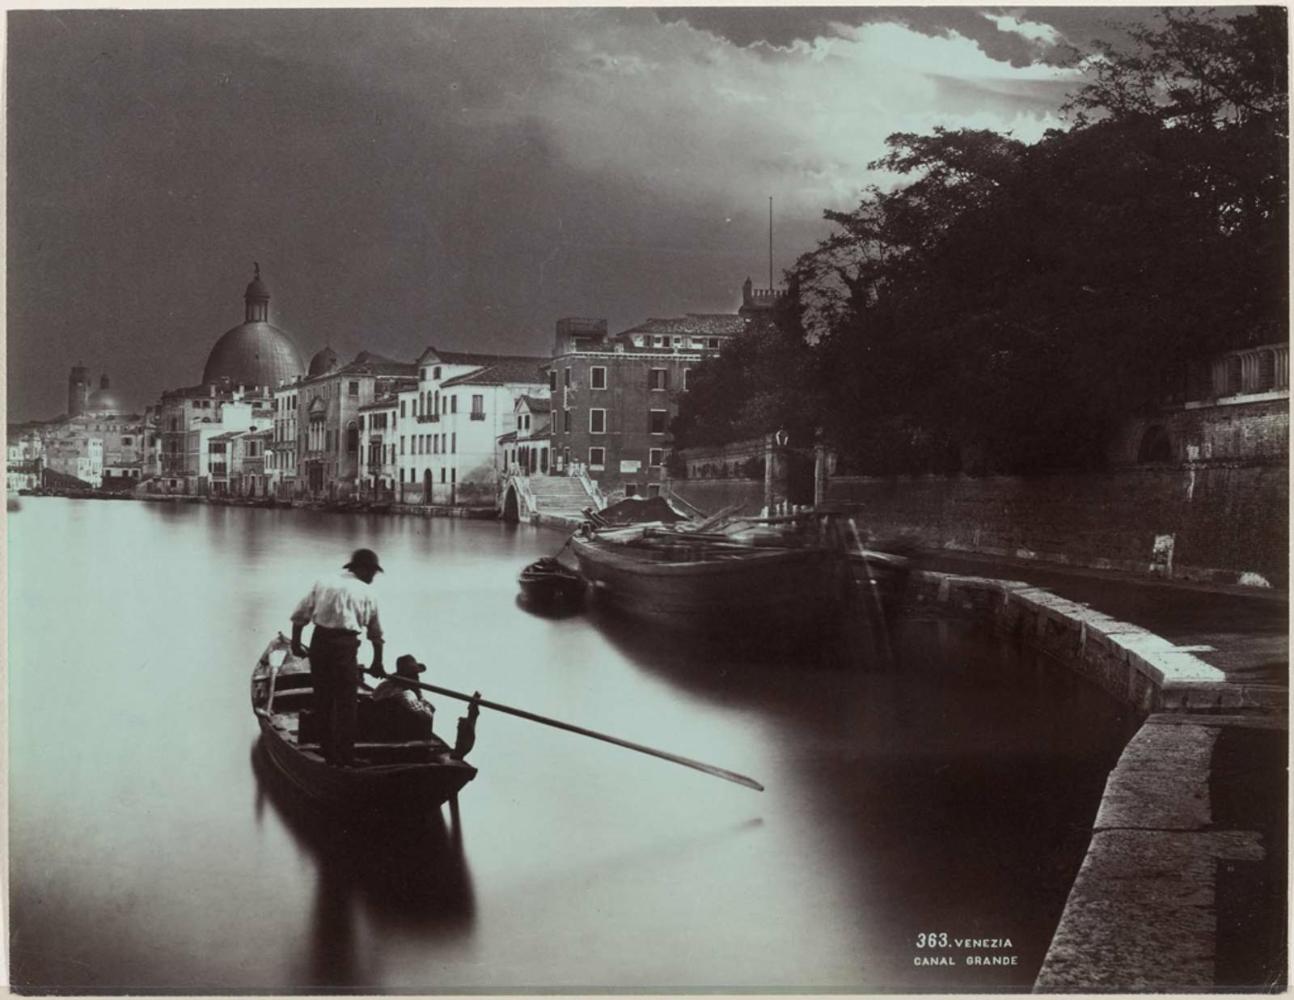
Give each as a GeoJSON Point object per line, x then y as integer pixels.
{"type": "Point", "coordinates": [1033, 31]}
{"type": "Point", "coordinates": [686, 109]}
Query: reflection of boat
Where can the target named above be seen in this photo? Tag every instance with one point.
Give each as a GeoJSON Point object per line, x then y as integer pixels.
{"type": "Point", "coordinates": [784, 580]}
{"type": "Point", "coordinates": [406, 870]}
{"type": "Point", "coordinates": [548, 583]}
{"type": "Point", "coordinates": [410, 775]}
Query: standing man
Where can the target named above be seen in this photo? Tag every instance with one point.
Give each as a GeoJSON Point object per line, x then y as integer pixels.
{"type": "Point", "coordinates": [339, 607]}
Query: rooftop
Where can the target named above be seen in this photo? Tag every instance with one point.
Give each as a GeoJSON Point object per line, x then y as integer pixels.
{"type": "Point", "coordinates": [504, 370]}
{"type": "Point", "coordinates": [537, 404]}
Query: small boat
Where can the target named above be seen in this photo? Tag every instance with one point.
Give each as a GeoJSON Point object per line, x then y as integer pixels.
{"type": "Point", "coordinates": [548, 583]}
{"type": "Point", "coordinates": [387, 775]}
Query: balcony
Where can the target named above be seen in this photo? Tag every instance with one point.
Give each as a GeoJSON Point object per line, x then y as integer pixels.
{"type": "Point", "coordinates": [476, 416]}
{"type": "Point", "coordinates": [428, 418]}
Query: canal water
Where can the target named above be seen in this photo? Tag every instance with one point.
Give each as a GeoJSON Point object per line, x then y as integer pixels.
{"type": "Point", "coordinates": [152, 849]}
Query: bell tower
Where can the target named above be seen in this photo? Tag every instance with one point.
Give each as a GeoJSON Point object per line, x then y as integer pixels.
{"type": "Point", "coordinates": [78, 390]}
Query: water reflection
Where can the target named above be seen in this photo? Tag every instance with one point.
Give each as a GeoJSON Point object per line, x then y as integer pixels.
{"type": "Point", "coordinates": [404, 873]}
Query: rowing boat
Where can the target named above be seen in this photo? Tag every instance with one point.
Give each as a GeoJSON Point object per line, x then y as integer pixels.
{"type": "Point", "coordinates": [547, 583]}
{"type": "Point", "coordinates": [405, 776]}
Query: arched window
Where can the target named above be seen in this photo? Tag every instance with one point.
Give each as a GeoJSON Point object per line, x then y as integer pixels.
{"type": "Point", "coordinates": [352, 437]}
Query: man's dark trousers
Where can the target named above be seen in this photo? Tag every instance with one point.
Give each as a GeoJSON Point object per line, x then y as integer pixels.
{"type": "Point", "coordinates": [334, 674]}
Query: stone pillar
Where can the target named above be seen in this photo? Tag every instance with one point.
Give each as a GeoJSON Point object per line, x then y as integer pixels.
{"type": "Point", "coordinates": [819, 474]}
{"type": "Point", "coordinates": [770, 458]}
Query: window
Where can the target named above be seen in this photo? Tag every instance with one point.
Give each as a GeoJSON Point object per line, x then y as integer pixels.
{"type": "Point", "coordinates": [402, 407]}
{"type": "Point", "coordinates": [435, 444]}
{"type": "Point", "coordinates": [453, 443]}
{"type": "Point", "coordinates": [656, 457]}
{"type": "Point", "coordinates": [658, 420]}
{"type": "Point", "coordinates": [442, 473]}
{"type": "Point", "coordinates": [127, 440]}
{"type": "Point", "coordinates": [713, 343]}
{"type": "Point", "coordinates": [658, 378]}
{"type": "Point", "coordinates": [552, 380]}
{"type": "Point", "coordinates": [361, 421]}
{"type": "Point", "coordinates": [478, 407]}
{"type": "Point", "coordinates": [658, 341]}
{"type": "Point", "coordinates": [435, 373]}
{"type": "Point", "coordinates": [401, 444]}
{"type": "Point", "coordinates": [566, 421]}
{"type": "Point", "coordinates": [597, 421]}
{"type": "Point", "coordinates": [597, 378]}
{"type": "Point", "coordinates": [566, 378]}
{"type": "Point", "coordinates": [352, 389]}
{"type": "Point", "coordinates": [685, 371]}
{"type": "Point", "coordinates": [352, 438]}
{"type": "Point", "coordinates": [453, 404]}
{"type": "Point", "coordinates": [597, 458]}
{"type": "Point", "coordinates": [631, 489]}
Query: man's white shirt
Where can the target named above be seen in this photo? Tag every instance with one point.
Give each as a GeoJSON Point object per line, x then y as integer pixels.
{"type": "Point", "coordinates": [342, 601]}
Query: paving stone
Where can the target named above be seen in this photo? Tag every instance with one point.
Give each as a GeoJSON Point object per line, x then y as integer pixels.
{"type": "Point", "coordinates": [1142, 913]}
{"type": "Point", "coordinates": [1161, 781]}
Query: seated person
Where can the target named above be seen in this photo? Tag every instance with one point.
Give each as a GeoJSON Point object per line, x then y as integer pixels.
{"type": "Point", "coordinates": [404, 713]}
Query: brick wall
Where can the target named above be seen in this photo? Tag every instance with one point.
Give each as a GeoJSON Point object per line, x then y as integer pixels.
{"type": "Point", "coordinates": [1251, 431]}
{"type": "Point", "coordinates": [1212, 522]}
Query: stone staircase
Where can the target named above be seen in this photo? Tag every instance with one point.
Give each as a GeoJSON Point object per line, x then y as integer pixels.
{"type": "Point", "coordinates": [561, 495]}
{"type": "Point", "coordinates": [560, 499]}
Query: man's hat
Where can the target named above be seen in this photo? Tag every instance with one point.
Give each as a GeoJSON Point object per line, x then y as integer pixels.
{"type": "Point", "coordinates": [364, 558]}
{"type": "Point", "coordinates": [406, 664]}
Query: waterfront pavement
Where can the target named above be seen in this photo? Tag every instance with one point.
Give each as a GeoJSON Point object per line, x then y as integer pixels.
{"type": "Point", "coordinates": [1184, 887]}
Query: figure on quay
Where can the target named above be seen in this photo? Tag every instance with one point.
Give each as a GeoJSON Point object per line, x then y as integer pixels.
{"type": "Point", "coordinates": [340, 608]}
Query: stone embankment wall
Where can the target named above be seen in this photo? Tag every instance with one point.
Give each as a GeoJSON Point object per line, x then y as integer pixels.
{"type": "Point", "coordinates": [1146, 911]}
{"type": "Point", "coordinates": [1224, 523]}
{"type": "Point", "coordinates": [1137, 666]}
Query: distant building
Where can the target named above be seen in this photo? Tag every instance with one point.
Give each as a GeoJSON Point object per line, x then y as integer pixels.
{"type": "Point", "coordinates": [328, 420]}
{"type": "Point", "coordinates": [245, 367]}
{"type": "Point", "coordinates": [377, 432]}
{"type": "Point", "coordinates": [281, 462]}
{"type": "Point", "coordinates": [450, 421]}
{"type": "Point", "coordinates": [529, 446]}
{"type": "Point", "coordinates": [24, 459]}
{"type": "Point", "coordinates": [613, 397]}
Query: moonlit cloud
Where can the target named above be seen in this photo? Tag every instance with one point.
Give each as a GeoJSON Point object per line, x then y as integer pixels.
{"type": "Point", "coordinates": [1032, 30]}
{"type": "Point", "coordinates": [705, 116]}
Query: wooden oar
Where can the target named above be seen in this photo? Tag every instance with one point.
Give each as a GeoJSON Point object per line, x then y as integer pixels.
{"type": "Point", "coordinates": [696, 765]}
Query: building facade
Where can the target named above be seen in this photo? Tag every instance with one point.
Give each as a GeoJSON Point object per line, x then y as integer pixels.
{"type": "Point", "coordinates": [448, 425]}
{"type": "Point", "coordinates": [328, 421]}
{"type": "Point", "coordinates": [613, 397]}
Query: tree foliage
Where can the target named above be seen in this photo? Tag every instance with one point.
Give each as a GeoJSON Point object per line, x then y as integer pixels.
{"type": "Point", "coordinates": [1008, 305]}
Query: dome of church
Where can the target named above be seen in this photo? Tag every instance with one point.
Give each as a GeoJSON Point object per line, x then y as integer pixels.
{"type": "Point", "coordinates": [102, 400]}
{"type": "Point", "coordinates": [256, 352]}
{"type": "Point", "coordinates": [323, 362]}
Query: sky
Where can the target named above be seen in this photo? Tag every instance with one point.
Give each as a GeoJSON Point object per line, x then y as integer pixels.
{"type": "Point", "coordinates": [458, 178]}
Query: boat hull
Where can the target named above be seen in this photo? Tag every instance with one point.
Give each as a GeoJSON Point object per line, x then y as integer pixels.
{"type": "Point", "coordinates": [770, 593]}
